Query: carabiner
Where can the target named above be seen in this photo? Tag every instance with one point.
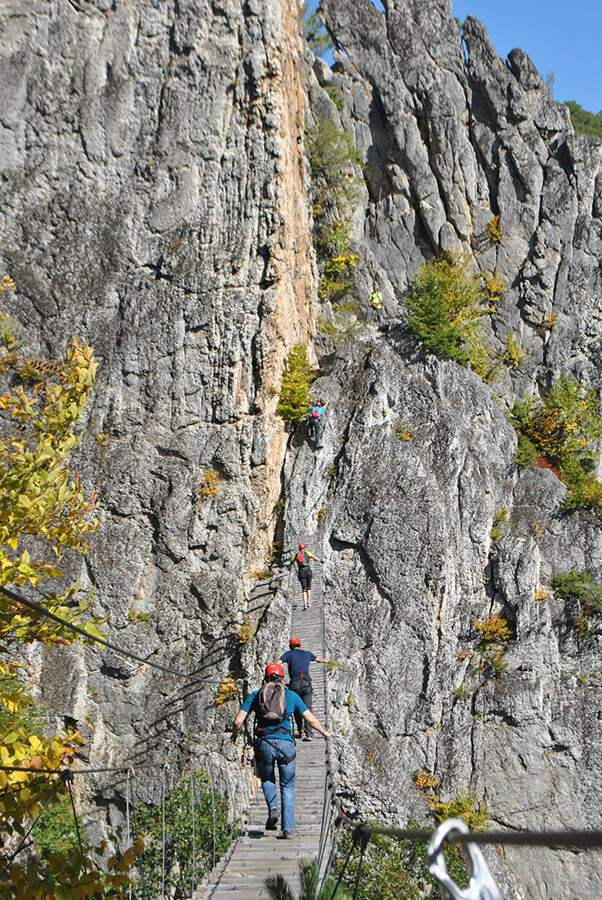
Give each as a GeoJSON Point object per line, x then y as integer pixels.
{"type": "Point", "coordinates": [481, 886]}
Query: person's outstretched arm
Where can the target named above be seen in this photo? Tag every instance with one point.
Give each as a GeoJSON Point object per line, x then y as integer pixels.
{"type": "Point", "coordinates": [321, 659]}
{"type": "Point", "coordinates": [311, 720]}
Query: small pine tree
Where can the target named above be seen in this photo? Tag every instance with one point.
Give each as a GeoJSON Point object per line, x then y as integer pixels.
{"type": "Point", "coordinates": [314, 32]}
{"type": "Point", "coordinates": [446, 307]}
{"type": "Point", "coordinates": [295, 394]}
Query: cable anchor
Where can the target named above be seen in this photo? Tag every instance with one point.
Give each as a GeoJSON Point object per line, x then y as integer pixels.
{"type": "Point", "coordinates": [481, 886]}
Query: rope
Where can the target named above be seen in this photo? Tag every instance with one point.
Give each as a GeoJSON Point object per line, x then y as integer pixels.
{"type": "Point", "coordinates": [193, 811]}
{"type": "Point", "coordinates": [365, 842]}
{"type": "Point", "coordinates": [341, 873]}
{"type": "Point", "coordinates": [79, 837]}
{"type": "Point", "coordinates": [212, 810]}
{"type": "Point", "coordinates": [163, 778]}
{"type": "Point", "coordinates": [77, 771]}
{"type": "Point", "coordinates": [142, 869]}
{"type": "Point", "coordinates": [555, 839]}
{"type": "Point", "coordinates": [127, 822]}
{"type": "Point", "coordinates": [30, 604]}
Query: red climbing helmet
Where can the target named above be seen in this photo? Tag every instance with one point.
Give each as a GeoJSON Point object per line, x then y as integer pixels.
{"type": "Point", "coordinates": [274, 669]}
{"type": "Point", "coordinates": [301, 546]}
{"type": "Point", "coordinates": [294, 642]}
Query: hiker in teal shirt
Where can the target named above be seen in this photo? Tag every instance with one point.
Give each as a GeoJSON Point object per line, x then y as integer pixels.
{"type": "Point", "coordinates": [275, 746]}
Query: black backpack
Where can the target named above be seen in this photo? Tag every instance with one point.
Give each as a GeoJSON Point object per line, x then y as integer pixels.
{"type": "Point", "coordinates": [271, 703]}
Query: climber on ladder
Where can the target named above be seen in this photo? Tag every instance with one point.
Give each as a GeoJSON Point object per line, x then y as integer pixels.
{"type": "Point", "coordinates": [315, 420]}
{"type": "Point", "coordinates": [274, 743]}
{"type": "Point", "coordinates": [304, 572]}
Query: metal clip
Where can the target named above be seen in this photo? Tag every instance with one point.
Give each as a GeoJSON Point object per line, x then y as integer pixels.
{"type": "Point", "coordinates": [481, 885]}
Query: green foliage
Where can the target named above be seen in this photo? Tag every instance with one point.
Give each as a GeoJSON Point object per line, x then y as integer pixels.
{"type": "Point", "coordinates": [445, 306]}
{"type": "Point", "coordinates": [55, 831]}
{"type": "Point", "coordinates": [494, 634]}
{"type": "Point", "coordinates": [208, 485]}
{"type": "Point", "coordinates": [580, 587]}
{"type": "Point", "coordinates": [493, 231]}
{"type": "Point", "coordinates": [335, 96]}
{"type": "Point", "coordinates": [333, 158]}
{"type": "Point", "coordinates": [44, 512]}
{"type": "Point", "coordinates": [585, 122]}
{"type": "Point", "coordinates": [395, 870]}
{"type": "Point", "coordinates": [561, 430]}
{"type": "Point", "coordinates": [392, 869]}
{"type": "Point", "coordinates": [465, 806]}
{"type": "Point", "coordinates": [321, 514]}
{"type": "Point", "coordinates": [500, 518]}
{"type": "Point", "coordinates": [403, 431]}
{"type": "Point", "coordinates": [178, 849]}
{"type": "Point", "coordinates": [295, 395]}
{"type": "Point", "coordinates": [332, 470]}
{"type": "Point", "coordinates": [314, 32]}
{"type": "Point", "coordinates": [514, 355]}
{"type": "Point", "coordinates": [278, 889]}
{"type": "Point", "coordinates": [493, 630]}
{"type": "Point", "coordinates": [334, 664]}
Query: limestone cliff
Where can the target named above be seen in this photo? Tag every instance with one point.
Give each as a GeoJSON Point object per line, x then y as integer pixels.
{"type": "Point", "coordinates": [155, 202]}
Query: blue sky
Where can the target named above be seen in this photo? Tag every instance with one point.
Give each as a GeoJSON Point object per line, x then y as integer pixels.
{"type": "Point", "coordinates": [560, 37]}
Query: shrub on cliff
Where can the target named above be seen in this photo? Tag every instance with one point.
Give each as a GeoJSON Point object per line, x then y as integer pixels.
{"type": "Point", "coordinates": [559, 432]}
{"type": "Point", "coordinates": [295, 394]}
{"type": "Point", "coordinates": [333, 158]}
{"type": "Point", "coordinates": [445, 305]}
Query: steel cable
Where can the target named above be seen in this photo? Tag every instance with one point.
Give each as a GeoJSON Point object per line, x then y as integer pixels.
{"type": "Point", "coordinates": [193, 813]}
{"type": "Point", "coordinates": [30, 604]}
{"type": "Point", "coordinates": [163, 777]}
{"type": "Point", "coordinates": [212, 810]}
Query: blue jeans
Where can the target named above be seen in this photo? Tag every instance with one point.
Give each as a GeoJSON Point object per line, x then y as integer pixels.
{"type": "Point", "coordinates": [269, 756]}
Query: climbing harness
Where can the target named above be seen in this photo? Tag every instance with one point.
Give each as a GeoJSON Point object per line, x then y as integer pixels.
{"type": "Point", "coordinates": [481, 886]}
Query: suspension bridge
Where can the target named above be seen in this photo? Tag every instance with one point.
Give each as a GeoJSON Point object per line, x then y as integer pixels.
{"type": "Point", "coordinates": [259, 853]}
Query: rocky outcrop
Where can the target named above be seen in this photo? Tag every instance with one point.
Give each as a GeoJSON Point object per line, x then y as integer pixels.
{"type": "Point", "coordinates": [453, 136]}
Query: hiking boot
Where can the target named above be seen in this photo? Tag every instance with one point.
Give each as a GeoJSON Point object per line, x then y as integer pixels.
{"type": "Point", "coordinates": [307, 737]}
{"type": "Point", "coordinates": [272, 821]}
{"type": "Point", "coordinates": [287, 835]}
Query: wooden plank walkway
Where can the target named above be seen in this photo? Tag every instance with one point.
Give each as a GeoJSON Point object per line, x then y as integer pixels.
{"type": "Point", "coordinates": [258, 853]}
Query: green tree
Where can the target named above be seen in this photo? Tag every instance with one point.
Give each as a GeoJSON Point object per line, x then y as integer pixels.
{"type": "Point", "coordinates": [314, 32]}
{"type": "Point", "coordinates": [585, 122]}
{"type": "Point", "coordinates": [295, 394]}
{"type": "Point", "coordinates": [446, 306]}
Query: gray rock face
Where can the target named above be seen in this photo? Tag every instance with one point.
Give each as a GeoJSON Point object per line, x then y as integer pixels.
{"type": "Point", "coordinates": [449, 143]}
{"type": "Point", "coordinates": [155, 202]}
